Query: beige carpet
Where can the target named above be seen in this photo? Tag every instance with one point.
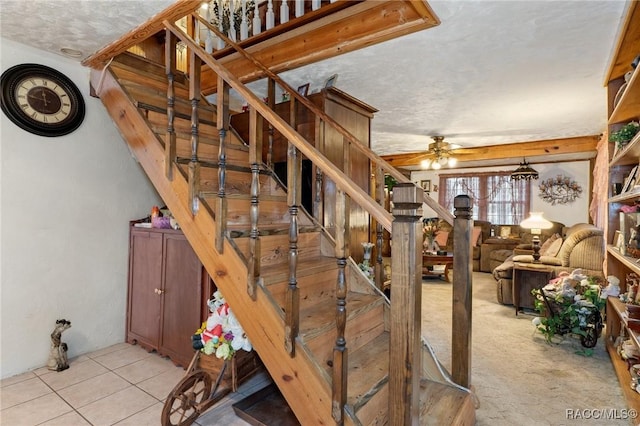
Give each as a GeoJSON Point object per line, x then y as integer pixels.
{"type": "Point", "coordinates": [519, 378]}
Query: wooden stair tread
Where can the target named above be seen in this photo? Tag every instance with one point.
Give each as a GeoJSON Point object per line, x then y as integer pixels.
{"type": "Point", "coordinates": [368, 370]}
{"type": "Point", "coordinates": [321, 317]}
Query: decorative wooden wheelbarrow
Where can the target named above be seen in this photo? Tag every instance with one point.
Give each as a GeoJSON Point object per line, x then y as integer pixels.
{"type": "Point", "coordinates": [207, 381]}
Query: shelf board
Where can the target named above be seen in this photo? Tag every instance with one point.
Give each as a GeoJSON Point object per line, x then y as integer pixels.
{"type": "Point", "coordinates": [629, 153]}
{"type": "Point", "coordinates": [626, 196]}
{"type": "Point", "coordinates": [630, 262]}
{"type": "Point", "coordinates": [628, 107]}
{"type": "Point", "coordinates": [619, 365]}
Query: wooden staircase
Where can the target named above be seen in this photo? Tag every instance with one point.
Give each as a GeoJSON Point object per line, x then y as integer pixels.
{"type": "Point", "coordinates": [266, 296]}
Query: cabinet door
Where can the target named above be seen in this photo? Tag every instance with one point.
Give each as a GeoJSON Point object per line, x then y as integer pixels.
{"type": "Point", "coordinates": [145, 280]}
{"type": "Point", "coordinates": [181, 299]}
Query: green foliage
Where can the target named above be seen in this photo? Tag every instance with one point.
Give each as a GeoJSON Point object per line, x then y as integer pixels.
{"type": "Point", "coordinates": [570, 316]}
{"type": "Point", "coordinates": [625, 134]}
{"type": "Point", "coordinates": [390, 182]}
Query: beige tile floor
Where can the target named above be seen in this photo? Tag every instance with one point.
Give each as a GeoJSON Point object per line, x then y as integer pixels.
{"type": "Point", "coordinates": [119, 385]}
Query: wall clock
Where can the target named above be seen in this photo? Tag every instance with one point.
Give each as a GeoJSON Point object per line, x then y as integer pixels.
{"type": "Point", "coordinates": [41, 100]}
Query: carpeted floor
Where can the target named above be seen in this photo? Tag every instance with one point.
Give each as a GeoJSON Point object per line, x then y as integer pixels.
{"type": "Point", "coordinates": [518, 377]}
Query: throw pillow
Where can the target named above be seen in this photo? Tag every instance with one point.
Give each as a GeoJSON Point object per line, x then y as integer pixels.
{"type": "Point", "coordinates": [441, 238]}
{"type": "Point", "coordinates": [554, 248]}
{"type": "Point", "coordinates": [545, 246]}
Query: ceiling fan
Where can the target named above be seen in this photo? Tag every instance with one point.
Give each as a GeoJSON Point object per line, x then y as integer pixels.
{"type": "Point", "coordinates": [440, 153]}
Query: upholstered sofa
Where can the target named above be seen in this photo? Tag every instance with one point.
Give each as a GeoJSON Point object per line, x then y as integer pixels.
{"type": "Point", "coordinates": [516, 240]}
{"type": "Point", "coordinates": [583, 247]}
{"type": "Point", "coordinates": [446, 235]}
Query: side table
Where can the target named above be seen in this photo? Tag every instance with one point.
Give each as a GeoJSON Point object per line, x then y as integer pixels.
{"type": "Point", "coordinates": [526, 277]}
{"type": "Point", "coordinates": [437, 259]}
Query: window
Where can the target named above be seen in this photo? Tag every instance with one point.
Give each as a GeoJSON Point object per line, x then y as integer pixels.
{"type": "Point", "coordinates": [494, 196]}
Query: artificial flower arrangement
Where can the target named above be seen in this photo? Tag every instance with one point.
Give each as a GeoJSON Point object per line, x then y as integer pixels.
{"type": "Point", "coordinates": [221, 334]}
{"type": "Point", "coordinates": [430, 229]}
{"type": "Point", "coordinates": [577, 300]}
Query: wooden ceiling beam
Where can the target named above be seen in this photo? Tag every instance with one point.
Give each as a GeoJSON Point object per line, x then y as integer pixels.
{"type": "Point", "coordinates": [548, 147]}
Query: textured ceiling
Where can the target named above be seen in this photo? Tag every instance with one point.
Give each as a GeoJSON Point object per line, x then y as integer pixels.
{"type": "Point", "coordinates": [493, 72]}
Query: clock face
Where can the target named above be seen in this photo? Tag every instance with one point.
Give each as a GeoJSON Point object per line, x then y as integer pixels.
{"type": "Point", "coordinates": [41, 100]}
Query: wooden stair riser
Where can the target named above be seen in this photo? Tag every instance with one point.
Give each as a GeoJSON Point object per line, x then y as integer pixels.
{"type": "Point", "coordinates": [126, 74]}
{"type": "Point", "coordinates": [312, 288]}
{"type": "Point", "coordinates": [361, 330]}
{"type": "Point", "coordinates": [206, 132]}
{"type": "Point", "coordinates": [274, 252]}
{"type": "Point", "coordinates": [239, 182]}
{"type": "Point", "coordinates": [156, 100]}
{"type": "Point", "coordinates": [271, 213]}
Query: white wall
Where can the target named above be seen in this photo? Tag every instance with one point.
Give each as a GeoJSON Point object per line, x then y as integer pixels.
{"type": "Point", "coordinates": [569, 214]}
{"type": "Point", "coordinates": [65, 204]}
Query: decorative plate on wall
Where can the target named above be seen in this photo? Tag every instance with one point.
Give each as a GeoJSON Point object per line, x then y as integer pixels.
{"type": "Point", "coordinates": [41, 100]}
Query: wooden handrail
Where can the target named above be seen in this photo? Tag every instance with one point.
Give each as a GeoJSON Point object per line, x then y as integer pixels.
{"type": "Point", "coordinates": [345, 183]}
{"type": "Point", "coordinates": [363, 148]}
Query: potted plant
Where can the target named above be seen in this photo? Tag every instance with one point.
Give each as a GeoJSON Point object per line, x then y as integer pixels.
{"type": "Point", "coordinates": [625, 134]}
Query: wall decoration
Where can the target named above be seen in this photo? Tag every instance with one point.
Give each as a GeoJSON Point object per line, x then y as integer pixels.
{"type": "Point", "coordinates": [559, 190]}
{"type": "Point", "coordinates": [426, 185]}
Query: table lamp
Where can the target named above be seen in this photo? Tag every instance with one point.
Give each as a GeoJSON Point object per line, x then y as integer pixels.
{"type": "Point", "coordinates": [536, 223]}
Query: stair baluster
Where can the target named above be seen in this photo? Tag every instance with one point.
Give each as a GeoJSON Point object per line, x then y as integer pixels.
{"type": "Point", "coordinates": [271, 17]}
{"type": "Point", "coordinates": [271, 101]}
{"type": "Point", "coordinates": [170, 68]}
{"type": "Point", "coordinates": [292, 308]}
{"type": "Point", "coordinates": [223, 127]}
{"type": "Point", "coordinates": [244, 24]}
{"type": "Point", "coordinates": [257, 22]}
{"type": "Point", "coordinates": [378, 189]}
{"type": "Point", "coordinates": [317, 201]}
{"type": "Point", "coordinates": [195, 67]}
{"type": "Point", "coordinates": [284, 12]}
{"type": "Point", "coordinates": [255, 156]}
{"type": "Point", "coordinates": [340, 352]}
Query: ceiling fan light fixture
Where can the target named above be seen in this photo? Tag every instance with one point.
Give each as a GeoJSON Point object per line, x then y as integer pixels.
{"type": "Point", "coordinates": [524, 172]}
{"type": "Point", "coordinates": [441, 151]}
{"type": "Point", "coordinates": [425, 164]}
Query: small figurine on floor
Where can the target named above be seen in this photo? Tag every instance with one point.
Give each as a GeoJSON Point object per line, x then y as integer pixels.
{"type": "Point", "coordinates": [58, 360]}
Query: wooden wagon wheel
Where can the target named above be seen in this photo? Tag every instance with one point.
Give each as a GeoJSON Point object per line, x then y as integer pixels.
{"type": "Point", "coordinates": [183, 404]}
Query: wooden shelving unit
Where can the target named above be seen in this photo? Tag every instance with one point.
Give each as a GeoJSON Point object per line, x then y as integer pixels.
{"type": "Point", "coordinates": [625, 110]}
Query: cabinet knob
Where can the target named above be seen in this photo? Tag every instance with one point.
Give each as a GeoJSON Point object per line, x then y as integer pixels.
{"type": "Point", "coordinates": [158, 291]}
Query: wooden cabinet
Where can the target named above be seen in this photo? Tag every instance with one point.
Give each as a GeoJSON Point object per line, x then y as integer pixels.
{"type": "Point", "coordinates": [622, 108]}
{"type": "Point", "coordinates": [168, 290]}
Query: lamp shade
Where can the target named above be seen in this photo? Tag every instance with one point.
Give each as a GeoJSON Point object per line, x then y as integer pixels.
{"type": "Point", "coordinates": [536, 221]}
{"type": "Point", "coordinates": [524, 172]}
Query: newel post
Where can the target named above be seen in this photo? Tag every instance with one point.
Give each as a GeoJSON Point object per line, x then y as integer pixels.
{"type": "Point", "coordinates": [462, 287]}
{"type": "Point", "coordinates": [406, 301]}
